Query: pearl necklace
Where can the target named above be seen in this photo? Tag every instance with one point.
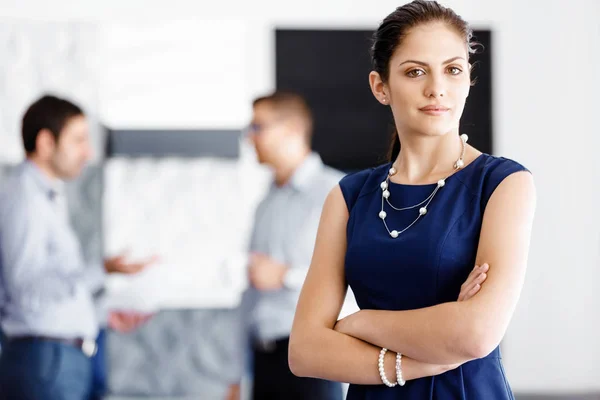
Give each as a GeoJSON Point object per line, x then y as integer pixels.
{"type": "Point", "coordinates": [385, 194]}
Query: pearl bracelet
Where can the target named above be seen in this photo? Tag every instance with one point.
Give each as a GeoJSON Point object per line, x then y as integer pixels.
{"type": "Point", "coordinates": [384, 379]}
{"type": "Point", "coordinates": [399, 378]}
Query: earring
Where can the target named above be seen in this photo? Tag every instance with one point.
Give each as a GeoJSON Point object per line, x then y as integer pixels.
{"type": "Point", "coordinates": [384, 100]}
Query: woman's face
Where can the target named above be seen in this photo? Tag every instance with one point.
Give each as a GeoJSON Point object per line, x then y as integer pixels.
{"type": "Point", "coordinates": [429, 80]}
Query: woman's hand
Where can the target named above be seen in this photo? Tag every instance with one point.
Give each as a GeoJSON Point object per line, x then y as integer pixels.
{"type": "Point", "coordinates": [473, 283]}
{"type": "Point", "coordinates": [414, 369]}
{"type": "Point", "coordinates": [468, 289]}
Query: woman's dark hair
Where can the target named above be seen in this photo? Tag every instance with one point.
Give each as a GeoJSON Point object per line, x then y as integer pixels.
{"type": "Point", "coordinates": [394, 29]}
{"type": "Point", "coordinates": [48, 112]}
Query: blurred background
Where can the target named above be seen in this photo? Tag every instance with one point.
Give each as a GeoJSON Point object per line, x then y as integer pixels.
{"type": "Point", "coordinates": [168, 88]}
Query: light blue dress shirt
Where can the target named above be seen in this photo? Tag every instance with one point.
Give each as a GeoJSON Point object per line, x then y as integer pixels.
{"type": "Point", "coordinates": [285, 229]}
{"type": "Point", "coordinates": [45, 287]}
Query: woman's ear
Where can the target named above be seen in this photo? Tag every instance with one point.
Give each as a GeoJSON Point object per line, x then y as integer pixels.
{"type": "Point", "coordinates": [378, 88]}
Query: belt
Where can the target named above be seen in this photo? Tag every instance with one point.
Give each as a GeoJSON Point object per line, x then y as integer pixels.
{"type": "Point", "coordinates": [87, 346]}
{"type": "Point", "coordinates": [270, 346]}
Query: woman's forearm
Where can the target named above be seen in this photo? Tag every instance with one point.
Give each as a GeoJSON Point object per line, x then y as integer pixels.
{"type": "Point", "coordinates": [338, 357]}
{"type": "Point", "coordinates": [459, 331]}
{"type": "Point", "coordinates": [413, 369]}
{"type": "Point", "coordinates": [442, 334]}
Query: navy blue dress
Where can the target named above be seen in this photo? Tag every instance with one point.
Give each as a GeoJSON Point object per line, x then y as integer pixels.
{"type": "Point", "coordinates": [424, 266]}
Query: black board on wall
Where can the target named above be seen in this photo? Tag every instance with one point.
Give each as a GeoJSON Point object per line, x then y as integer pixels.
{"type": "Point", "coordinates": [330, 68]}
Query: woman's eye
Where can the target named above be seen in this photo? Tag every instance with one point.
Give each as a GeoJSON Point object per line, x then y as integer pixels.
{"type": "Point", "coordinates": [454, 70]}
{"type": "Point", "coordinates": [415, 73]}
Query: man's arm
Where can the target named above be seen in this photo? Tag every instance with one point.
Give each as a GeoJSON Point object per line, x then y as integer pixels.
{"type": "Point", "coordinates": [94, 277]}
{"type": "Point", "coordinates": [269, 274]}
{"type": "Point", "coordinates": [302, 251]}
{"type": "Point", "coordinates": [31, 275]}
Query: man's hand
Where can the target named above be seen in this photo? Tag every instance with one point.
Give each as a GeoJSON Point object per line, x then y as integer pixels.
{"type": "Point", "coordinates": [126, 321]}
{"type": "Point", "coordinates": [265, 273]}
{"type": "Point", "coordinates": [119, 265]}
{"type": "Point", "coordinates": [234, 392]}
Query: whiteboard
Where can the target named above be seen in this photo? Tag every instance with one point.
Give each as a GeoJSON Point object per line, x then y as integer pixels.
{"type": "Point", "coordinates": [195, 214]}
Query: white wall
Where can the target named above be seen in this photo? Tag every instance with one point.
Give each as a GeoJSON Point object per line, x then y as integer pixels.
{"type": "Point", "coordinates": [173, 73]}
{"type": "Point", "coordinates": [44, 56]}
{"type": "Point", "coordinates": [129, 74]}
{"type": "Point", "coordinates": [546, 85]}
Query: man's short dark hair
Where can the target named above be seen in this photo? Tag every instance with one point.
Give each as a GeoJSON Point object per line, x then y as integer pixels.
{"type": "Point", "coordinates": [48, 112]}
{"type": "Point", "coordinates": [290, 103]}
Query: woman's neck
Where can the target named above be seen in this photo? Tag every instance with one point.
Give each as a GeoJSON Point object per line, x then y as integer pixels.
{"type": "Point", "coordinates": [426, 159]}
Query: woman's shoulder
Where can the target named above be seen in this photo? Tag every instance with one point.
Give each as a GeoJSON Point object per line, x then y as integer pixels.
{"type": "Point", "coordinates": [499, 163]}
{"type": "Point", "coordinates": [492, 168]}
{"type": "Point", "coordinates": [487, 172]}
{"type": "Point", "coordinates": [355, 184]}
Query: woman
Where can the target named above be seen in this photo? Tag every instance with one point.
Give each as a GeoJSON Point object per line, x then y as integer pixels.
{"type": "Point", "coordinates": [406, 235]}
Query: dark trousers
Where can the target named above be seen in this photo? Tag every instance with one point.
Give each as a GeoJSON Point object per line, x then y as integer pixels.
{"type": "Point", "coordinates": [273, 379]}
{"type": "Point", "coordinates": [43, 370]}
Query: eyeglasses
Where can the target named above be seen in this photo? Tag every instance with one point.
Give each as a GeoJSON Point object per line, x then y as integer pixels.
{"type": "Point", "coordinates": [256, 129]}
